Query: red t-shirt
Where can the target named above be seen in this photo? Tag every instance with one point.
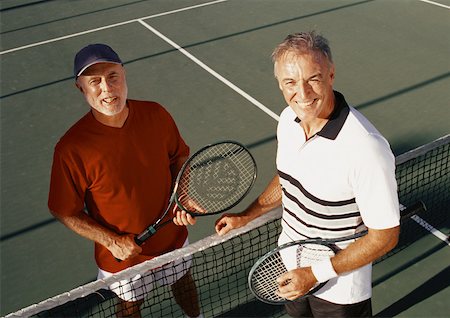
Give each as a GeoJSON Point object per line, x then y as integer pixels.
{"type": "Point", "coordinates": [122, 176]}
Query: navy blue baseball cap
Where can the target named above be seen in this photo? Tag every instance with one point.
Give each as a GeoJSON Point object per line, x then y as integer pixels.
{"type": "Point", "coordinates": [93, 54]}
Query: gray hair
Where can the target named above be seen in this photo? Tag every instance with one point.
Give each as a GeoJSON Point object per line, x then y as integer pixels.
{"type": "Point", "coordinates": [303, 42]}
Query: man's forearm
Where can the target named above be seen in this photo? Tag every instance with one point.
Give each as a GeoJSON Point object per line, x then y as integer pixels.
{"type": "Point", "coordinates": [267, 201]}
{"type": "Point", "coordinates": [87, 227]}
{"type": "Point", "coordinates": [365, 250]}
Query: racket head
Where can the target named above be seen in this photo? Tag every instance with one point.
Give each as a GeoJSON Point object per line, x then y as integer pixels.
{"type": "Point", "coordinates": [262, 279]}
{"type": "Point", "coordinates": [215, 178]}
{"type": "Point", "coordinates": [263, 274]}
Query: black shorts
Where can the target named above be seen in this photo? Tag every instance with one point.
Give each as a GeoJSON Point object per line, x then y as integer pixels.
{"type": "Point", "coordinates": [316, 307]}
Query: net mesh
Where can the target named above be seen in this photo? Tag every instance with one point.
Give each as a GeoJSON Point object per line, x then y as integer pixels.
{"type": "Point", "coordinates": [220, 265]}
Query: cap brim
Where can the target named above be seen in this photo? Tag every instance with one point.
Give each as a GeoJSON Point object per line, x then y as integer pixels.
{"type": "Point", "coordinates": [95, 62]}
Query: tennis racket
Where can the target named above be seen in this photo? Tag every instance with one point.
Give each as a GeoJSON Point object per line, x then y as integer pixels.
{"type": "Point", "coordinates": [214, 179]}
{"type": "Point", "coordinates": [262, 278]}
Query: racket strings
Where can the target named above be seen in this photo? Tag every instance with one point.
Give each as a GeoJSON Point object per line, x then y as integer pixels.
{"type": "Point", "coordinates": [309, 254]}
{"type": "Point", "coordinates": [263, 279]}
{"type": "Point", "coordinates": [214, 179]}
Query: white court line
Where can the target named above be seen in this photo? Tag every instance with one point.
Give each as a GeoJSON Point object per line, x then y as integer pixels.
{"type": "Point", "coordinates": [436, 4]}
{"type": "Point", "coordinates": [416, 218]}
{"type": "Point", "coordinates": [110, 26]}
{"type": "Point", "coordinates": [431, 229]}
{"type": "Point", "coordinates": [427, 226]}
{"type": "Point", "coordinates": [212, 72]}
{"type": "Point", "coordinates": [419, 220]}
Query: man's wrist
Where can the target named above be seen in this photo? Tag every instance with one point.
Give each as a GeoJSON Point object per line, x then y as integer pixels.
{"type": "Point", "coordinates": [323, 270]}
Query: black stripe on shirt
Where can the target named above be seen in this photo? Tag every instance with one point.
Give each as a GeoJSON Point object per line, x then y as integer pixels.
{"type": "Point", "coordinates": [340, 229]}
{"type": "Point", "coordinates": [316, 214]}
{"type": "Point", "coordinates": [313, 198]}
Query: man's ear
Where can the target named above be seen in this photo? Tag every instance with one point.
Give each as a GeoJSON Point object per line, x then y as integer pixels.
{"type": "Point", "coordinates": [78, 86]}
{"type": "Point", "coordinates": [332, 73]}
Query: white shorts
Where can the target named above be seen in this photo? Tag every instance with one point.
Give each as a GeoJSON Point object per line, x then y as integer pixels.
{"type": "Point", "coordinates": [137, 287]}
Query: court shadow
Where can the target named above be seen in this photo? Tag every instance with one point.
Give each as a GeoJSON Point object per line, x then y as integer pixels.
{"type": "Point", "coordinates": [19, 6]}
{"type": "Point", "coordinates": [262, 142]}
{"type": "Point", "coordinates": [255, 308]}
{"type": "Point", "coordinates": [424, 291]}
{"type": "Point", "coordinates": [410, 263]}
{"type": "Point", "coordinates": [9, 94]}
{"type": "Point", "coordinates": [100, 303]}
{"type": "Point", "coordinates": [403, 91]}
{"type": "Point", "coordinates": [61, 19]}
{"type": "Point", "coordinates": [27, 229]}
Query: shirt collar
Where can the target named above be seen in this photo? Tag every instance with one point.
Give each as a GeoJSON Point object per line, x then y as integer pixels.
{"type": "Point", "coordinates": [337, 118]}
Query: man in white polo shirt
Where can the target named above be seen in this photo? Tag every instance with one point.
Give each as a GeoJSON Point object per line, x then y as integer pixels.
{"type": "Point", "coordinates": [336, 177]}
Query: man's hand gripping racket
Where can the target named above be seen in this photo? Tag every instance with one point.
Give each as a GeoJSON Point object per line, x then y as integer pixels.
{"type": "Point", "coordinates": [263, 276]}
{"type": "Point", "coordinates": [213, 180]}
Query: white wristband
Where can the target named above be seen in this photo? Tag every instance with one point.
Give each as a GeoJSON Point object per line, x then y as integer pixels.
{"type": "Point", "coordinates": [324, 271]}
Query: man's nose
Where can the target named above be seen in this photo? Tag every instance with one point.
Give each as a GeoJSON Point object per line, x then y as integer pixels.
{"type": "Point", "coordinates": [303, 90]}
{"type": "Point", "coordinates": [105, 86]}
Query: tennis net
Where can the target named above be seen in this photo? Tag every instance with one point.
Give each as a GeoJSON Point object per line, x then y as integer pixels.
{"type": "Point", "coordinates": [220, 264]}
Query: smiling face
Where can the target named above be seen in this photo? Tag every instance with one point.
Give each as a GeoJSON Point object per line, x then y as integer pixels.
{"type": "Point", "coordinates": [306, 80]}
{"type": "Point", "coordinates": [105, 88]}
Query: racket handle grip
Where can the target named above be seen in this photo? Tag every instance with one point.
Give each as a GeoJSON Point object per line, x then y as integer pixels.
{"type": "Point", "coordinates": [140, 239]}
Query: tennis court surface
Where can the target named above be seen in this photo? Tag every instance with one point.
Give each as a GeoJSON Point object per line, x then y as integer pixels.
{"type": "Point", "coordinates": [208, 63]}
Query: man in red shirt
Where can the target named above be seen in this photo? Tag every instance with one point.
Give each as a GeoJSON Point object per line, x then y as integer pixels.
{"type": "Point", "coordinates": [118, 163]}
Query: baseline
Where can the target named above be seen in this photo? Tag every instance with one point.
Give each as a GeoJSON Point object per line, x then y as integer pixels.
{"type": "Point", "coordinates": [110, 26]}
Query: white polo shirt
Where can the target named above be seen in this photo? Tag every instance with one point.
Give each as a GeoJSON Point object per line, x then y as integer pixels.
{"type": "Point", "coordinates": [337, 183]}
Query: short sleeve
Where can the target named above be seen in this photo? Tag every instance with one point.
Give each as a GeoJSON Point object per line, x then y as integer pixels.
{"type": "Point", "coordinates": [66, 194]}
{"type": "Point", "coordinates": [176, 144]}
{"type": "Point", "coordinates": [375, 185]}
